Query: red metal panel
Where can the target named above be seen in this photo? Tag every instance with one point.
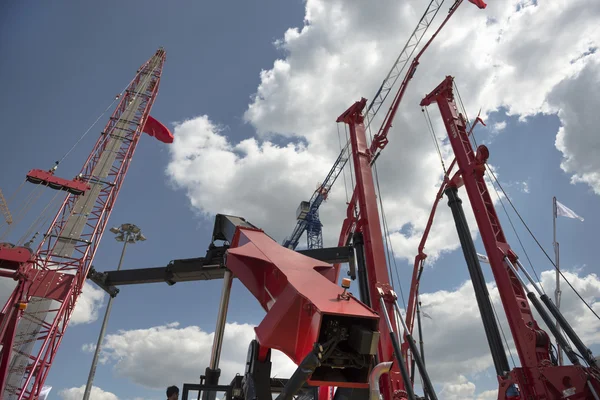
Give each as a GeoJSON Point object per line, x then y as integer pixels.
{"type": "Point", "coordinates": [12, 257]}
{"type": "Point", "coordinates": [73, 186]}
{"type": "Point", "coordinates": [295, 290]}
{"type": "Point", "coordinates": [50, 284]}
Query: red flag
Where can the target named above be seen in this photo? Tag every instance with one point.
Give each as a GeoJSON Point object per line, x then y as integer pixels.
{"type": "Point", "coordinates": [478, 3]}
{"type": "Point", "coordinates": [154, 128]}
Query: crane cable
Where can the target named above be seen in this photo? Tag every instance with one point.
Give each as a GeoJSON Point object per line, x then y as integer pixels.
{"type": "Point", "coordinates": [464, 111]}
{"type": "Point", "coordinates": [437, 147]}
{"type": "Point", "coordinates": [430, 125]}
{"type": "Point", "coordinates": [26, 206]}
{"type": "Point", "coordinates": [29, 201]}
{"type": "Point", "coordinates": [495, 179]}
{"type": "Point", "coordinates": [98, 119]}
{"type": "Point", "coordinates": [344, 168]}
{"type": "Point", "coordinates": [543, 250]}
{"type": "Point", "coordinates": [105, 161]}
{"type": "Point", "coordinates": [390, 255]}
{"type": "Point", "coordinates": [78, 286]}
{"type": "Point", "coordinates": [40, 220]}
{"type": "Point", "coordinates": [434, 137]}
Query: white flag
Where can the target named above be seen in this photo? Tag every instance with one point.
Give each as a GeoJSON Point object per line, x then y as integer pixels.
{"type": "Point", "coordinates": [483, 258]}
{"type": "Point", "coordinates": [564, 211]}
{"type": "Point", "coordinates": [45, 392]}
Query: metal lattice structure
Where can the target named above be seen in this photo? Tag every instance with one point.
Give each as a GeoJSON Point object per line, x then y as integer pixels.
{"type": "Point", "coordinates": [34, 320]}
{"type": "Point", "coordinates": [311, 222]}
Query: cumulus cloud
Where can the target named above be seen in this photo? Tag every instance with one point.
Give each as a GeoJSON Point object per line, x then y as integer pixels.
{"type": "Point", "coordinates": [460, 390]}
{"type": "Point", "coordinates": [86, 310]}
{"type": "Point", "coordinates": [499, 126]}
{"type": "Point", "coordinates": [507, 56]}
{"type": "Point", "coordinates": [259, 181]}
{"type": "Point", "coordinates": [460, 349]}
{"type": "Point", "coordinates": [157, 357]}
{"type": "Point", "coordinates": [341, 53]}
{"type": "Point", "coordinates": [577, 104]}
{"type": "Point", "coordinates": [76, 393]}
{"type": "Point", "coordinates": [88, 305]}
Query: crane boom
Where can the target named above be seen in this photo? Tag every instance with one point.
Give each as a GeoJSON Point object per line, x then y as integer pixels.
{"type": "Point", "coordinates": [309, 219]}
{"type": "Point", "coordinates": [33, 321]}
{"type": "Point", "coordinates": [538, 377]}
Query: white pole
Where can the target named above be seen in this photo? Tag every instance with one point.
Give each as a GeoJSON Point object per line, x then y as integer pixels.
{"type": "Point", "coordinates": [557, 261]}
{"type": "Point", "coordinates": [88, 386]}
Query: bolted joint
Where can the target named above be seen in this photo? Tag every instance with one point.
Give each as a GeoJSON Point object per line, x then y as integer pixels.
{"type": "Point", "coordinates": [385, 291]}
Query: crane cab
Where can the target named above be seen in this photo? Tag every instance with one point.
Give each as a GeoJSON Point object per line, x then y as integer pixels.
{"type": "Point", "coordinates": [303, 210]}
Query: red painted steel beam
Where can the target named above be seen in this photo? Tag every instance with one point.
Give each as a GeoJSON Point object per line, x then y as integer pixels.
{"type": "Point", "coordinates": [299, 293]}
{"type": "Point", "coordinates": [537, 377]}
{"type": "Point", "coordinates": [369, 224]}
{"type": "Point", "coordinates": [74, 186]}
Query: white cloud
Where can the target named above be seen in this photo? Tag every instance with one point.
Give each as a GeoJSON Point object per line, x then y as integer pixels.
{"type": "Point", "coordinates": [76, 393]}
{"type": "Point", "coordinates": [88, 305]}
{"type": "Point", "coordinates": [461, 349]}
{"type": "Point", "coordinates": [499, 126]}
{"type": "Point", "coordinates": [505, 56]}
{"type": "Point", "coordinates": [459, 390]}
{"type": "Point", "coordinates": [86, 310]}
{"type": "Point", "coordinates": [170, 354]}
{"type": "Point", "coordinates": [341, 53]}
{"type": "Point", "coordinates": [259, 181]}
{"type": "Point", "coordinates": [488, 395]}
{"type": "Point", "coordinates": [166, 355]}
{"type": "Point", "coordinates": [577, 103]}
{"type": "Point", "coordinates": [6, 287]}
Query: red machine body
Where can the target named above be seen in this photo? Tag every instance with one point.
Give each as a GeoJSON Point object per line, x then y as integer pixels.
{"type": "Point", "coordinates": [537, 377]}
{"type": "Point", "coordinates": [299, 293]}
{"type": "Point", "coordinates": [73, 186]}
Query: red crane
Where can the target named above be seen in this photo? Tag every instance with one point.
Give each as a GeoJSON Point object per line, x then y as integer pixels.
{"type": "Point", "coordinates": [538, 377]}
{"type": "Point", "coordinates": [365, 226]}
{"type": "Point", "coordinates": [49, 280]}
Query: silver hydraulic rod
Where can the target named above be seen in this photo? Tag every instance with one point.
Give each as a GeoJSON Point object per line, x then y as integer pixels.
{"type": "Point", "coordinates": [428, 385]}
{"type": "Point", "coordinates": [560, 339]}
{"type": "Point", "coordinates": [399, 359]}
{"type": "Point", "coordinates": [585, 353]}
{"type": "Point", "coordinates": [221, 319]}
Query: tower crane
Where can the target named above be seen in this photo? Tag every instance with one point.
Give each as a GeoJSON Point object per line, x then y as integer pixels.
{"type": "Point", "coordinates": [50, 280]}
{"type": "Point", "coordinates": [539, 376]}
{"type": "Point", "coordinates": [307, 214]}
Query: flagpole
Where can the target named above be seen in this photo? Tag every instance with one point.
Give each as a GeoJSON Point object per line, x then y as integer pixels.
{"type": "Point", "coordinates": [557, 261]}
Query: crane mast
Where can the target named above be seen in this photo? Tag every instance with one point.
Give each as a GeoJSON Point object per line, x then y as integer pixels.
{"type": "Point", "coordinates": [537, 377]}
{"type": "Point", "coordinates": [374, 251]}
{"type": "Point", "coordinates": [33, 321]}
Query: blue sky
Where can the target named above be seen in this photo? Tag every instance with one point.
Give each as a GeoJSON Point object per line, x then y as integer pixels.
{"type": "Point", "coordinates": [63, 63]}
